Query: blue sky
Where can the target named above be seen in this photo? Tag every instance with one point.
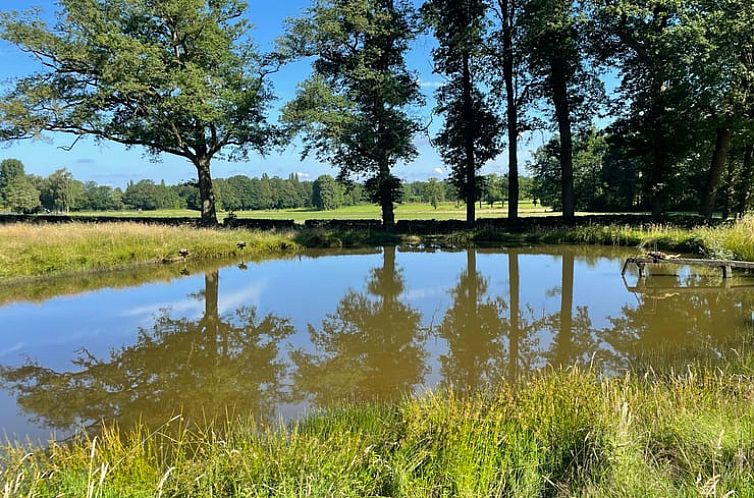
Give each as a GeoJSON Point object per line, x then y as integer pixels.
{"type": "Point", "coordinates": [112, 164]}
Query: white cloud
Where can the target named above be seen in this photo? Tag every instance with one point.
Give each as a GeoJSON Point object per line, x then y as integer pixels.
{"type": "Point", "coordinates": [303, 176]}
{"type": "Point", "coordinates": [430, 84]}
{"type": "Point", "coordinates": [439, 171]}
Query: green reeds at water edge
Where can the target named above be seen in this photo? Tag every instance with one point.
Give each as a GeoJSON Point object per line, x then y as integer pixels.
{"type": "Point", "coordinates": [559, 433]}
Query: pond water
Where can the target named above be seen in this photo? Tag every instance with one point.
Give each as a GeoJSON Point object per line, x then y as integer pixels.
{"type": "Point", "coordinates": [278, 337]}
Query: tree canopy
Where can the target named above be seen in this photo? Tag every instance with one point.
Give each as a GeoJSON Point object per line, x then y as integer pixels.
{"type": "Point", "coordinates": [177, 77]}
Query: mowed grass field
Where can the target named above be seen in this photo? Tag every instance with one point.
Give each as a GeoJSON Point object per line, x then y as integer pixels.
{"type": "Point", "coordinates": [407, 211]}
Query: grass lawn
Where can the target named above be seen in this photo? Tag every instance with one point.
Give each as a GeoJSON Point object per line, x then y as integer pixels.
{"type": "Point", "coordinates": [407, 211]}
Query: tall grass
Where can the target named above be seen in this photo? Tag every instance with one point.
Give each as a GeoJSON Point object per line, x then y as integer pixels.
{"type": "Point", "coordinates": [37, 250]}
{"type": "Point", "coordinates": [560, 433]}
{"type": "Point", "coordinates": [733, 240]}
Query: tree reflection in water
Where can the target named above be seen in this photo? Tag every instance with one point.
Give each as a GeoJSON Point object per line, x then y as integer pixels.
{"type": "Point", "coordinates": [201, 369]}
{"type": "Point", "coordinates": [369, 348]}
{"type": "Point", "coordinates": [373, 346]}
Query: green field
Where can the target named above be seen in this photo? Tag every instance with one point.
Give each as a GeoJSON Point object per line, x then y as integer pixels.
{"type": "Point", "coordinates": [407, 211]}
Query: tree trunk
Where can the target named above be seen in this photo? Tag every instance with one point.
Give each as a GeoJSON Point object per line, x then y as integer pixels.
{"type": "Point", "coordinates": [728, 190]}
{"type": "Point", "coordinates": [511, 109]}
{"type": "Point", "coordinates": [563, 115]}
{"type": "Point", "coordinates": [717, 167]}
{"type": "Point", "coordinates": [386, 199]}
{"type": "Point", "coordinates": [206, 192]}
{"type": "Point", "coordinates": [745, 181]}
{"type": "Point", "coordinates": [470, 167]}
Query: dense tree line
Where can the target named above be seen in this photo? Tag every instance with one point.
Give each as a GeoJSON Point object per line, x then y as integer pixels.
{"type": "Point", "coordinates": [61, 193]}
{"type": "Point", "coordinates": [179, 77]}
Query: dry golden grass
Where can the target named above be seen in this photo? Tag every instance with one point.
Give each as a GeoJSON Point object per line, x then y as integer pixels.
{"type": "Point", "coordinates": [36, 250]}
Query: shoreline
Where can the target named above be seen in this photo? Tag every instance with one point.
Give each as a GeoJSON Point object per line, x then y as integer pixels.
{"type": "Point", "coordinates": [38, 251]}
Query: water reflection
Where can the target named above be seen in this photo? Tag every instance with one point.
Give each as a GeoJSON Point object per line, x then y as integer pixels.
{"type": "Point", "coordinates": [201, 369]}
{"type": "Point", "coordinates": [303, 333]}
{"type": "Point", "coordinates": [369, 348]}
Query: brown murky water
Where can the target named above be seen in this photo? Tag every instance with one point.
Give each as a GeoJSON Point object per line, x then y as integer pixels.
{"type": "Point", "coordinates": [278, 337]}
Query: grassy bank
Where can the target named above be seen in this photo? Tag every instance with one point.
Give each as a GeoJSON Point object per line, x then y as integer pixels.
{"type": "Point", "coordinates": [561, 433]}
{"type": "Point", "coordinates": [47, 250]}
{"type": "Point", "coordinates": [734, 240]}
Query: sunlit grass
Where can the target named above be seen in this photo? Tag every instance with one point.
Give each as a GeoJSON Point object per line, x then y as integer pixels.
{"type": "Point", "coordinates": [733, 240]}
{"type": "Point", "coordinates": [560, 433]}
{"type": "Point", "coordinates": [35, 250]}
{"type": "Point", "coordinates": [405, 211]}
{"type": "Point", "coordinates": [54, 249]}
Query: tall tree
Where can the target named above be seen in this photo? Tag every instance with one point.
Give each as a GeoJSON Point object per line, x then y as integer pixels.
{"type": "Point", "coordinates": [555, 48]}
{"type": "Point", "coordinates": [469, 137]}
{"type": "Point", "coordinates": [325, 193]}
{"type": "Point", "coordinates": [176, 77]}
{"type": "Point", "coordinates": [353, 111]}
{"type": "Point", "coordinates": [10, 170]}
{"type": "Point", "coordinates": [21, 195]}
{"type": "Point", "coordinates": [718, 45]}
{"type": "Point", "coordinates": [638, 37]}
{"type": "Point", "coordinates": [506, 43]}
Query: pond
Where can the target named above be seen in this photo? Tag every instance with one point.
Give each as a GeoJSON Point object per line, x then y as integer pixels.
{"type": "Point", "coordinates": [277, 338]}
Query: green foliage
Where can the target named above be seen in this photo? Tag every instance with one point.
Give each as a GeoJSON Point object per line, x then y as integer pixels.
{"type": "Point", "coordinates": [471, 133]}
{"type": "Point", "coordinates": [21, 195]}
{"type": "Point", "coordinates": [433, 192]}
{"type": "Point", "coordinates": [352, 111]}
{"type": "Point", "coordinates": [148, 196]}
{"type": "Point", "coordinates": [176, 77]}
{"type": "Point", "coordinates": [10, 169]}
{"type": "Point", "coordinates": [61, 192]}
{"type": "Point", "coordinates": [326, 193]}
{"type": "Point", "coordinates": [495, 189]}
{"type": "Point", "coordinates": [101, 198]}
{"type": "Point", "coordinates": [601, 179]}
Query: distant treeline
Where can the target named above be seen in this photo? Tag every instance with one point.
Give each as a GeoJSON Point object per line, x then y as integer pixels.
{"type": "Point", "coordinates": [61, 192]}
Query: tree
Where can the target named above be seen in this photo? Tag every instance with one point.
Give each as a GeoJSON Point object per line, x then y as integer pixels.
{"type": "Point", "coordinates": [101, 198]}
{"type": "Point", "coordinates": [434, 192]}
{"type": "Point", "coordinates": [353, 110]}
{"type": "Point", "coordinates": [469, 137]}
{"type": "Point", "coordinates": [638, 37]}
{"type": "Point", "coordinates": [325, 193]}
{"type": "Point", "coordinates": [718, 38]}
{"type": "Point", "coordinates": [495, 189]}
{"type": "Point", "coordinates": [554, 47]}
{"type": "Point", "coordinates": [506, 47]}
{"type": "Point", "coordinates": [10, 169]}
{"type": "Point", "coordinates": [21, 196]}
{"type": "Point", "coordinates": [61, 192]}
{"type": "Point", "coordinates": [176, 77]}
{"type": "Point", "coordinates": [149, 196]}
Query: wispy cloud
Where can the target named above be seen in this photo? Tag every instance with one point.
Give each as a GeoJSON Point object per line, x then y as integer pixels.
{"type": "Point", "coordinates": [430, 84]}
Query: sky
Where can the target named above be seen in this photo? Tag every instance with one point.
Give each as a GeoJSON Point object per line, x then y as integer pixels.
{"type": "Point", "coordinates": [112, 164]}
